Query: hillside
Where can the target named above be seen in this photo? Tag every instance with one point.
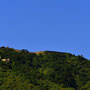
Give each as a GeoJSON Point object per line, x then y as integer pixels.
{"type": "Point", "coordinates": [47, 70]}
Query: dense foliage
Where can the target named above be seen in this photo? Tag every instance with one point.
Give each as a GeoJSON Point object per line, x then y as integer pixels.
{"type": "Point", "coordinates": [44, 71]}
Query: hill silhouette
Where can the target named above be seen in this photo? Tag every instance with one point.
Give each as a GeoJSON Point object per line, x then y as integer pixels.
{"type": "Point", "coordinates": [44, 70]}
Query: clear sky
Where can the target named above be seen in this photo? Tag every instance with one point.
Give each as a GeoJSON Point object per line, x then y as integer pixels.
{"type": "Point", "coordinates": [56, 25]}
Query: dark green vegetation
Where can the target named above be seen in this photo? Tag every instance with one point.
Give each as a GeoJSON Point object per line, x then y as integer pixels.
{"type": "Point", "coordinates": [43, 71]}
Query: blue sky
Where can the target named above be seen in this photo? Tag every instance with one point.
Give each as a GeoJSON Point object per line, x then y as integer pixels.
{"type": "Point", "coordinates": [56, 25]}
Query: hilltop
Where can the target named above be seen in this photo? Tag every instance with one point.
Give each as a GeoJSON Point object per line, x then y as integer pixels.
{"type": "Point", "coordinates": [44, 70]}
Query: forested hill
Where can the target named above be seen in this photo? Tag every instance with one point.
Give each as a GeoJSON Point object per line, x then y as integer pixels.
{"type": "Point", "coordinates": [48, 70]}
